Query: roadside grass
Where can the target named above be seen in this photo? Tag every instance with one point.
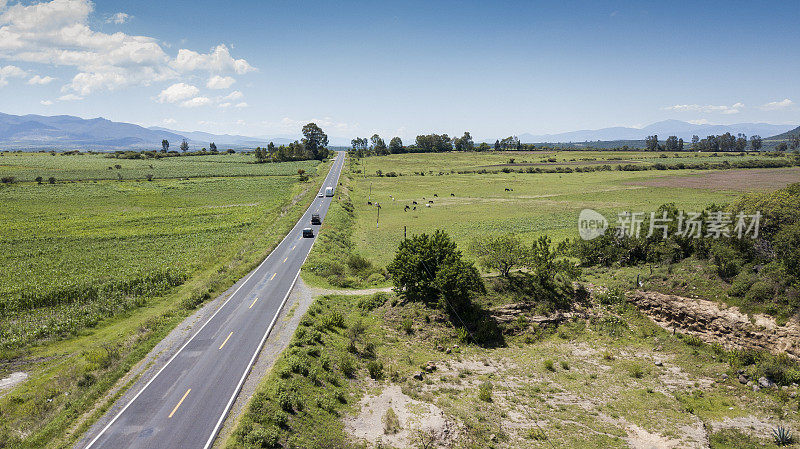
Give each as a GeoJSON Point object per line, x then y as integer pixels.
{"type": "Point", "coordinates": [70, 378]}
{"type": "Point", "coordinates": [333, 262]}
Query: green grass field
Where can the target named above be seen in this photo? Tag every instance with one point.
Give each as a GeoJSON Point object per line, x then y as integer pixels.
{"type": "Point", "coordinates": [63, 167]}
{"type": "Point", "coordinates": [97, 272]}
{"type": "Point", "coordinates": [547, 203]}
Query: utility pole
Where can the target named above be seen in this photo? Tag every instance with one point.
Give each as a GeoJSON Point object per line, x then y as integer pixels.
{"type": "Point", "coordinates": [378, 221]}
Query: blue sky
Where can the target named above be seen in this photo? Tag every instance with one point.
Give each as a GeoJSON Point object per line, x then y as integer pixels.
{"type": "Point", "coordinates": [401, 68]}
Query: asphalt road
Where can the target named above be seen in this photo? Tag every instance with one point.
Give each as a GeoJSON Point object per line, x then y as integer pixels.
{"type": "Point", "coordinates": [184, 404]}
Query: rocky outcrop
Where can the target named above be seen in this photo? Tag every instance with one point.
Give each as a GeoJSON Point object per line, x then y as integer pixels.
{"type": "Point", "coordinates": [713, 323]}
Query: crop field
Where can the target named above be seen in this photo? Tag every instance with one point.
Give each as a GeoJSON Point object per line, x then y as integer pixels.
{"type": "Point", "coordinates": [471, 205]}
{"type": "Point", "coordinates": [75, 252]}
{"type": "Point", "coordinates": [65, 167]}
{"type": "Point", "coordinates": [434, 163]}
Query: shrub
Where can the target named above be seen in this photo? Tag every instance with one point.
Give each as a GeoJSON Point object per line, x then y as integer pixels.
{"type": "Point", "coordinates": [761, 292]}
{"type": "Point", "coordinates": [8, 180]}
{"type": "Point", "coordinates": [373, 301]}
{"type": "Point", "coordinates": [375, 369]}
{"type": "Point", "coordinates": [332, 320]}
{"type": "Point", "coordinates": [549, 365]}
{"type": "Point", "coordinates": [636, 371]}
{"type": "Point", "coordinates": [485, 392]}
{"type": "Point", "coordinates": [565, 364]}
{"type": "Point", "coordinates": [51, 180]}
{"type": "Point", "coordinates": [407, 326]}
{"type": "Point", "coordinates": [391, 424]}
{"type": "Point", "coordinates": [263, 437]}
{"type": "Point", "coordinates": [348, 366]}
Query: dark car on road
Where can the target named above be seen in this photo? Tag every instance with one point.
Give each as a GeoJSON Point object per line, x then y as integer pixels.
{"type": "Point", "coordinates": [315, 220]}
{"type": "Point", "coordinates": [308, 232]}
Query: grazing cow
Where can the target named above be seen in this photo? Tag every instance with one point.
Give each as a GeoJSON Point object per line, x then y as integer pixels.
{"type": "Point", "coordinates": [369, 203]}
{"type": "Point", "coordinates": [436, 195]}
{"type": "Point", "coordinates": [428, 205]}
{"type": "Point", "coordinates": [413, 202]}
{"type": "Point", "coordinates": [507, 189]}
{"type": "Point", "coordinates": [415, 207]}
{"type": "Point", "coordinates": [452, 194]}
{"type": "Point", "coordinates": [406, 208]}
{"type": "Point", "coordinates": [430, 201]}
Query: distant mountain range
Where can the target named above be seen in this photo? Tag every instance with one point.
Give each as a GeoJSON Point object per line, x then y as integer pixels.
{"type": "Point", "coordinates": [663, 129]}
{"type": "Point", "coordinates": [787, 135]}
{"type": "Point", "coordinates": [65, 132]}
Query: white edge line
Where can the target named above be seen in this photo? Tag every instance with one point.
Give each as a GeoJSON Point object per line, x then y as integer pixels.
{"type": "Point", "coordinates": [113, 420]}
{"type": "Point", "coordinates": [258, 350]}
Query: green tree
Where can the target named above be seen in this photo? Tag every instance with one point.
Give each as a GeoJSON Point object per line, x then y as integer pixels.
{"type": "Point", "coordinates": [501, 252]}
{"type": "Point", "coordinates": [756, 142]}
{"type": "Point", "coordinates": [212, 147]}
{"type": "Point", "coordinates": [787, 248]}
{"type": "Point", "coordinates": [315, 141]}
{"type": "Point", "coordinates": [395, 145]}
{"type": "Point", "coordinates": [378, 145]}
{"type": "Point", "coordinates": [417, 264]}
{"type": "Point", "coordinates": [464, 143]}
{"type": "Point", "coordinates": [164, 146]}
{"type": "Point", "coordinates": [651, 142]}
{"type": "Point", "coordinates": [184, 146]}
{"type": "Point", "coordinates": [671, 144]}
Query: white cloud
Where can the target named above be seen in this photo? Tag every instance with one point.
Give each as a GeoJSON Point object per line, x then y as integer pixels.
{"type": "Point", "coordinates": [170, 121]}
{"type": "Point", "coordinates": [58, 32]}
{"type": "Point", "coordinates": [225, 105]}
{"type": "Point", "coordinates": [219, 60]}
{"type": "Point", "coordinates": [709, 108]}
{"type": "Point", "coordinates": [46, 102]}
{"type": "Point", "coordinates": [10, 71]}
{"type": "Point", "coordinates": [118, 18]}
{"type": "Point", "coordinates": [701, 121]}
{"type": "Point", "coordinates": [40, 80]}
{"type": "Point", "coordinates": [777, 105]}
{"type": "Point", "coordinates": [70, 97]}
{"type": "Point", "coordinates": [233, 96]}
{"type": "Point", "coordinates": [196, 102]}
{"type": "Point", "coordinates": [177, 92]}
{"type": "Point", "coordinates": [242, 105]}
{"type": "Point", "coordinates": [291, 125]}
{"type": "Point", "coordinates": [220, 82]}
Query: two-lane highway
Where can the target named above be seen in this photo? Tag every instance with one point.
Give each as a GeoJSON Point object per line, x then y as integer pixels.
{"type": "Point", "coordinates": [185, 403]}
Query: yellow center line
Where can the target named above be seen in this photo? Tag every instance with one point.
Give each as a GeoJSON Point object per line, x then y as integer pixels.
{"type": "Point", "coordinates": [179, 403]}
{"type": "Point", "coordinates": [228, 337]}
{"type": "Point", "coordinates": [284, 260]}
{"type": "Point", "coordinates": [295, 246]}
{"type": "Point", "coordinates": [273, 276]}
{"type": "Point", "coordinates": [254, 303]}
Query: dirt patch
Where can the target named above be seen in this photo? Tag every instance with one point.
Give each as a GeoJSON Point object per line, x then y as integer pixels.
{"type": "Point", "coordinates": [413, 416]}
{"type": "Point", "coordinates": [728, 327]}
{"type": "Point", "coordinates": [13, 379]}
{"type": "Point", "coordinates": [746, 424]}
{"type": "Point", "coordinates": [740, 180]}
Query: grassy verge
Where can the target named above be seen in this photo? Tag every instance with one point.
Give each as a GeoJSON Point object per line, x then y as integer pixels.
{"type": "Point", "coordinates": [70, 379]}
{"type": "Point", "coordinates": [334, 263]}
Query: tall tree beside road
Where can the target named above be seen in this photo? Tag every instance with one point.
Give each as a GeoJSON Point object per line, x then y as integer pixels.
{"type": "Point", "coordinates": [315, 141]}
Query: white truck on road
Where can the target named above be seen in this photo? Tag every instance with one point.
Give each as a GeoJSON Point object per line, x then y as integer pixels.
{"type": "Point", "coordinates": [328, 191]}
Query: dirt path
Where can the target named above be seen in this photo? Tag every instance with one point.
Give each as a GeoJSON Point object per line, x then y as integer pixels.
{"type": "Point", "coordinates": [713, 323]}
